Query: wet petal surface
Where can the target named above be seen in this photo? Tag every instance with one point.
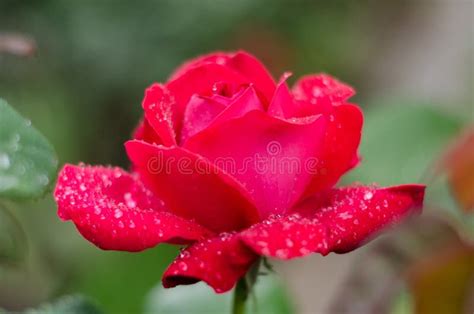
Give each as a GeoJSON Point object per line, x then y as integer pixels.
{"type": "Point", "coordinates": [337, 221]}
{"type": "Point", "coordinates": [219, 261]}
{"type": "Point", "coordinates": [112, 209]}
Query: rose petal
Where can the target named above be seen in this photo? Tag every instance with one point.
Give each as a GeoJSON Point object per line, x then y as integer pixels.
{"type": "Point", "coordinates": [145, 132]}
{"type": "Point", "coordinates": [203, 112]}
{"type": "Point", "coordinates": [253, 69]}
{"type": "Point", "coordinates": [220, 262]}
{"type": "Point", "coordinates": [112, 209]}
{"type": "Point", "coordinates": [344, 123]}
{"type": "Point", "coordinates": [162, 113]}
{"type": "Point", "coordinates": [282, 104]}
{"type": "Point", "coordinates": [319, 88]}
{"type": "Point", "coordinates": [241, 104]}
{"type": "Point", "coordinates": [201, 80]}
{"type": "Point", "coordinates": [268, 156]}
{"type": "Point", "coordinates": [218, 57]}
{"type": "Point", "coordinates": [192, 187]}
{"type": "Point", "coordinates": [241, 62]}
{"type": "Point", "coordinates": [199, 113]}
{"type": "Point", "coordinates": [339, 152]}
{"type": "Point", "coordinates": [337, 221]}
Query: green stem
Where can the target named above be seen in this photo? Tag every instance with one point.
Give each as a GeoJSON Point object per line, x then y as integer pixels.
{"type": "Point", "coordinates": [241, 293]}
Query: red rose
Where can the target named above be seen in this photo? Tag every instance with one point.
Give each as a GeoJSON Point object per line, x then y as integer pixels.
{"type": "Point", "coordinates": [235, 167]}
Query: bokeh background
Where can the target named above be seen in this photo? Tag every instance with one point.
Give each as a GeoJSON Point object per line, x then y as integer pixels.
{"type": "Point", "coordinates": [79, 73]}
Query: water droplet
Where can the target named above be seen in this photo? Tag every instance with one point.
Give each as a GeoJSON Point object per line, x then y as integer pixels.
{"type": "Point", "coordinates": [183, 266]}
{"type": "Point", "coordinates": [43, 179]}
{"type": "Point", "coordinates": [368, 195]}
{"type": "Point", "coordinates": [118, 213]}
{"type": "Point", "coordinates": [281, 253]}
{"type": "Point", "coordinates": [345, 215]}
{"type": "Point", "coordinates": [316, 91]}
{"type": "Point", "coordinates": [129, 200]}
{"type": "Point", "coordinates": [4, 161]}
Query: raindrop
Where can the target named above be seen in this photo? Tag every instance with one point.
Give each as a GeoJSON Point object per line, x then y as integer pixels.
{"type": "Point", "coordinates": [183, 266]}
{"type": "Point", "coordinates": [368, 195]}
{"type": "Point", "coordinates": [282, 253]}
{"type": "Point", "coordinates": [129, 200]}
{"type": "Point", "coordinates": [316, 91]}
{"type": "Point", "coordinates": [4, 161]}
{"type": "Point", "coordinates": [118, 213]}
{"type": "Point", "coordinates": [43, 179]}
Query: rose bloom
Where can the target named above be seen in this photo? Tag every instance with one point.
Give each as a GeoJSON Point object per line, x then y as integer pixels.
{"type": "Point", "coordinates": [235, 166]}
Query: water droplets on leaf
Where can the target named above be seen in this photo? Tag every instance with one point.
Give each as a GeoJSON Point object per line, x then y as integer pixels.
{"type": "Point", "coordinates": [27, 160]}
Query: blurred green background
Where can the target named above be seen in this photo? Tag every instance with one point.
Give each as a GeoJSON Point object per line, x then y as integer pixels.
{"type": "Point", "coordinates": [410, 61]}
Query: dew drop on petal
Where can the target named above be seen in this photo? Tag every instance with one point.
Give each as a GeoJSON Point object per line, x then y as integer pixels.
{"type": "Point", "coordinates": [183, 266]}
{"type": "Point", "coordinates": [118, 213]}
{"type": "Point", "coordinates": [368, 195]}
{"type": "Point", "coordinates": [129, 200]}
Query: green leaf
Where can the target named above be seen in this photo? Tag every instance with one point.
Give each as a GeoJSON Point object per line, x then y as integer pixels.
{"type": "Point", "coordinates": [400, 142]}
{"type": "Point", "coordinates": [403, 303]}
{"type": "Point", "coordinates": [270, 297]}
{"type": "Point", "coordinates": [27, 160]}
{"type": "Point", "coordinates": [13, 242]}
{"type": "Point", "coordinates": [73, 304]}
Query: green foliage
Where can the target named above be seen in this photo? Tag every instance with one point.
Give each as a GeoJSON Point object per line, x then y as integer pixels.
{"type": "Point", "coordinates": [269, 297]}
{"type": "Point", "coordinates": [400, 142]}
{"type": "Point", "coordinates": [75, 304]}
{"type": "Point", "coordinates": [27, 161]}
{"type": "Point", "coordinates": [12, 239]}
{"type": "Point", "coordinates": [120, 280]}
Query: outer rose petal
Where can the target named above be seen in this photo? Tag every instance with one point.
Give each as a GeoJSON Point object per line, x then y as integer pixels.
{"type": "Point", "coordinates": [113, 210]}
{"type": "Point", "coordinates": [250, 67]}
{"type": "Point", "coordinates": [241, 62]}
{"type": "Point", "coordinates": [220, 262]}
{"type": "Point", "coordinates": [161, 113]}
{"type": "Point", "coordinates": [338, 221]}
{"type": "Point", "coordinates": [343, 133]}
{"type": "Point", "coordinates": [322, 88]}
{"type": "Point", "coordinates": [220, 58]}
{"type": "Point", "coordinates": [341, 141]}
{"type": "Point", "coordinates": [192, 187]}
{"type": "Point", "coordinates": [268, 156]}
